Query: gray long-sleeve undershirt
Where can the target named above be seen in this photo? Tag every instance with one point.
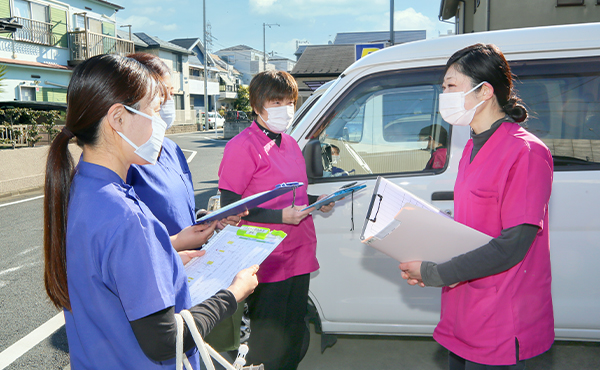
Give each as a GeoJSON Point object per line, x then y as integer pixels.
{"type": "Point", "coordinates": [500, 254]}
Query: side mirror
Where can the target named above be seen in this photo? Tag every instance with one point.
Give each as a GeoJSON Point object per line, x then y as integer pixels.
{"type": "Point", "coordinates": [313, 159]}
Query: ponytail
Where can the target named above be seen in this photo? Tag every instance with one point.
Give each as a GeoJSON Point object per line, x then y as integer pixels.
{"type": "Point", "coordinates": [515, 109]}
{"type": "Point", "coordinates": [59, 173]}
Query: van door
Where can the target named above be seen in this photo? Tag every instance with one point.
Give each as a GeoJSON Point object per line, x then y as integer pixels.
{"type": "Point", "coordinates": [563, 98]}
{"type": "Point", "coordinates": [383, 125]}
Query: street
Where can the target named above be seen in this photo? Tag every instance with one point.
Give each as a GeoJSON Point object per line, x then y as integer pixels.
{"type": "Point", "coordinates": [25, 306]}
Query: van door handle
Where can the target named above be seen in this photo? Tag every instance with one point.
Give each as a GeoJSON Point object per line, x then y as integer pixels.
{"type": "Point", "coordinates": [442, 195]}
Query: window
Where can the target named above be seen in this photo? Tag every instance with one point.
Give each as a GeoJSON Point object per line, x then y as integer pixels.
{"type": "Point", "coordinates": [387, 123]}
{"type": "Point", "coordinates": [563, 99]}
{"type": "Point", "coordinates": [27, 93]}
{"type": "Point", "coordinates": [178, 99]}
{"type": "Point", "coordinates": [231, 59]}
{"type": "Point", "coordinates": [34, 19]}
{"type": "Point", "coordinates": [568, 2]}
{"type": "Point", "coordinates": [94, 26]}
{"type": "Point", "coordinates": [178, 62]}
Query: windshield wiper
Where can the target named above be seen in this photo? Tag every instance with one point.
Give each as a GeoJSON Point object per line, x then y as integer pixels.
{"type": "Point", "coordinates": [567, 161]}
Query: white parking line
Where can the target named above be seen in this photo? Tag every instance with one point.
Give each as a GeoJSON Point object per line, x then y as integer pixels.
{"type": "Point", "coordinates": [21, 201]}
{"type": "Point", "coordinates": [191, 155]}
{"type": "Point", "coordinates": [12, 353]}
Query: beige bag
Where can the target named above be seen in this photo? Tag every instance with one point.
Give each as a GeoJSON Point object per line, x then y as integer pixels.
{"type": "Point", "coordinates": [206, 351]}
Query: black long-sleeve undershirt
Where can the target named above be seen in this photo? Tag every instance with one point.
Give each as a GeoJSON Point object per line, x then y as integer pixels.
{"type": "Point", "coordinates": [157, 333]}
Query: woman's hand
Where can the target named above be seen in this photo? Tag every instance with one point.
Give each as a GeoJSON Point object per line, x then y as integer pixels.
{"type": "Point", "coordinates": [187, 256]}
{"type": "Point", "coordinates": [328, 207]}
{"type": "Point", "coordinates": [293, 215]}
{"type": "Point", "coordinates": [243, 283]}
{"type": "Point", "coordinates": [193, 237]}
{"type": "Point", "coordinates": [411, 272]}
{"type": "Point", "coordinates": [231, 220]}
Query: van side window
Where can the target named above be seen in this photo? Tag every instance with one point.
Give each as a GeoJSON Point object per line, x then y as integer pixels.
{"type": "Point", "coordinates": [563, 98]}
{"type": "Point", "coordinates": [386, 124]}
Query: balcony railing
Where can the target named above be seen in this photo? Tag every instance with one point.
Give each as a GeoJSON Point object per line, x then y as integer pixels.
{"type": "Point", "coordinates": [201, 78]}
{"type": "Point", "coordinates": [85, 44]}
{"type": "Point", "coordinates": [34, 31]}
{"type": "Point", "coordinates": [228, 88]}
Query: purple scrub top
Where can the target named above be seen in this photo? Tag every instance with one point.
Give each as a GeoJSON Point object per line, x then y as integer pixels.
{"type": "Point", "coordinates": [166, 188]}
{"type": "Point", "coordinates": [121, 267]}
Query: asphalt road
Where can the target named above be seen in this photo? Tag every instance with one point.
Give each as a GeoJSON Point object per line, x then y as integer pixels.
{"type": "Point", "coordinates": [25, 307]}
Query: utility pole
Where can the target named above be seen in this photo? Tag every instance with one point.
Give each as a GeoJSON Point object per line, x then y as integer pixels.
{"type": "Point", "coordinates": [265, 44]}
{"type": "Point", "coordinates": [205, 68]}
{"type": "Point", "coordinates": [392, 23]}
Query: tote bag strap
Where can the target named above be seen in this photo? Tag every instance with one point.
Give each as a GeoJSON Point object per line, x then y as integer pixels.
{"type": "Point", "coordinates": [206, 351]}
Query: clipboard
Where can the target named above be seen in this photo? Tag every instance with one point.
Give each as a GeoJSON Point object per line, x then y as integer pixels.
{"type": "Point", "coordinates": [228, 252]}
{"type": "Point", "coordinates": [417, 231]}
{"type": "Point", "coordinates": [334, 197]}
{"type": "Point", "coordinates": [249, 202]}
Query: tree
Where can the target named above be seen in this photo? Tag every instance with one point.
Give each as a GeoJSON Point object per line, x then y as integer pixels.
{"type": "Point", "coordinates": [242, 102]}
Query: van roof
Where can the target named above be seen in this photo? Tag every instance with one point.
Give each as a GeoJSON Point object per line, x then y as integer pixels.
{"type": "Point", "coordinates": [515, 44]}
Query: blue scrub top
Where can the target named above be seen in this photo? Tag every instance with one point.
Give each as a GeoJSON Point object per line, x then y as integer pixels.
{"type": "Point", "coordinates": [121, 267]}
{"type": "Point", "coordinates": [166, 188]}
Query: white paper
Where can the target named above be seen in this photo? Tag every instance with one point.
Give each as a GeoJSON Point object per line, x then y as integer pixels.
{"type": "Point", "coordinates": [226, 255]}
{"type": "Point", "coordinates": [389, 199]}
{"type": "Point", "coordinates": [421, 235]}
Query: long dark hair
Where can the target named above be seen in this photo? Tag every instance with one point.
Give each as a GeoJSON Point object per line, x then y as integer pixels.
{"type": "Point", "coordinates": [156, 66]}
{"type": "Point", "coordinates": [96, 85]}
{"type": "Point", "coordinates": [481, 62]}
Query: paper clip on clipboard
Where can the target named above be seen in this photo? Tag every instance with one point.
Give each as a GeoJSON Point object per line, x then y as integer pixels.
{"type": "Point", "coordinates": [259, 233]}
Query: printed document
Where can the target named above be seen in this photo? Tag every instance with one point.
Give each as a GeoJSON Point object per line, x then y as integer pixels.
{"type": "Point", "coordinates": [227, 253]}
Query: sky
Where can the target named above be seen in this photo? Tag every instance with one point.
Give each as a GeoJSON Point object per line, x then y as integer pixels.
{"type": "Point", "coordinates": [315, 22]}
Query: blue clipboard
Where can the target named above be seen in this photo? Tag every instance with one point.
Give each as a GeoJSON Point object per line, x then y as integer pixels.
{"type": "Point", "coordinates": [344, 191]}
{"type": "Point", "coordinates": [248, 202]}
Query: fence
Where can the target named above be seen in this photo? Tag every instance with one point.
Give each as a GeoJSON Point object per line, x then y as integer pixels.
{"type": "Point", "coordinates": [34, 31]}
{"type": "Point", "coordinates": [15, 135]}
{"type": "Point", "coordinates": [85, 45]}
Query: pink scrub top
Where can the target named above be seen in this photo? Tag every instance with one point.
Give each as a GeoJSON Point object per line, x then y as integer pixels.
{"type": "Point", "coordinates": [507, 184]}
{"type": "Point", "coordinates": [253, 163]}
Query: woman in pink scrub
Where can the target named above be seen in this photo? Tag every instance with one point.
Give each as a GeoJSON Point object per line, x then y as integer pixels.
{"type": "Point", "coordinates": [256, 160]}
{"type": "Point", "coordinates": [496, 300]}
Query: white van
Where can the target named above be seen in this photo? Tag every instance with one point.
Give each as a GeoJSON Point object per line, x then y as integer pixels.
{"type": "Point", "coordinates": [375, 113]}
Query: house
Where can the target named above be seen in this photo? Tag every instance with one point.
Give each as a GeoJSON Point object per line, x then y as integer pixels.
{"type": "Point", "coordinates": [230, 80]}
{"type": "Point", "coordinates": [318, 64]}
{"type": "Point", "coordinates": [245, 59]}
{"type": "Point", "coordinates": [400, 37]}
{"type": "Point", "coordinates": [53, 37]}
{"type": "Point", "coordinates": [196, 74]}
{"type": "Point", "coordinates": [282, 63]}
{"type": "Point", "coordinates": [477, 16]}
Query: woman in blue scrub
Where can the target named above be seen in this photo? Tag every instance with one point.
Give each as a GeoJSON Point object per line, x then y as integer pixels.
{"type": "Point", "coordinates": [166, 187]}
{"type": "Point", "coordinates": [109, 263]}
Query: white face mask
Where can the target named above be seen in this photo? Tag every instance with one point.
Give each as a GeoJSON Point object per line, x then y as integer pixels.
{"type": "Point", "coordinates": [167, 112]}
{"type": "Point", "coordinates": [150, 149]}
{"type": "Point", "coordinates": [335, 159]}
{"type": "Point", "coordinates": [279, 118]}
{"type": "Point", "coordinates": [452, 107]}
